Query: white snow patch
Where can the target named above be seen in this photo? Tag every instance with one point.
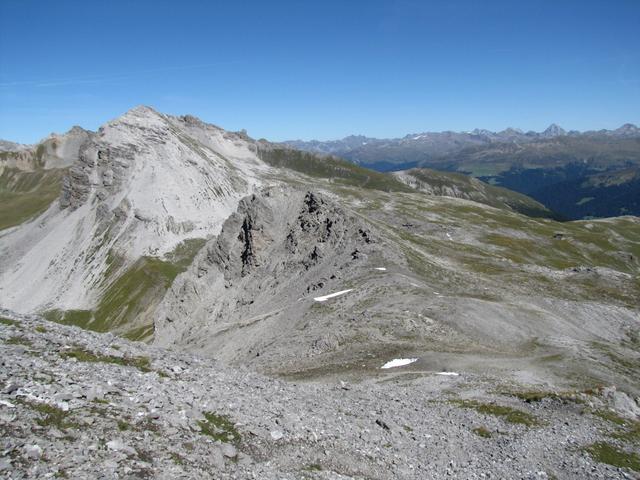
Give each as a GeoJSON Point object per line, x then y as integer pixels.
{"type": "Point", "coordinates": [448, 374]}
{"type": "Point", "coordinates": [399, 362]}
{"type": "Point", "coordinates": [331, 295]}
{"type": "Point", "coordinates": [381, 269]}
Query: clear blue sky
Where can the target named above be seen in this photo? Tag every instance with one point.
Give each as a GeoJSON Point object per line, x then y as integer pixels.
{"type": "Point", "coordinates": [323, 69]}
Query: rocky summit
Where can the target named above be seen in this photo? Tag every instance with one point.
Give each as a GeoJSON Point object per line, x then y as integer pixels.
{"type": "Point", "coordinates": [180, 301]}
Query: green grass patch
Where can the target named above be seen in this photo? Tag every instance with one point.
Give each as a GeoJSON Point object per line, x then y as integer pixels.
{"type": "Point", "coordinates": [139, 334]}
{"type": "Point", "coordinates": [610, 416]}
{"type": "Point", "coordinates": [313, 467]}
{"type": "Point", "coordinates": [8, 322]}
{"type": "Point", "coordinates": [332, 168]}
{"type": "Point", "coordinates": [24, 195]}
{"type": "Point", "coordinates": [123, 425]}
{"type": "Point", "coordinates": [219, 427]}
{"type": "Point", "coordinates": [132, 297]}
{"type": "Point", "coordinates": [627, 430]}
{"type": "Point", "coordinates": [141, 363]}
{"type": "Point", "coordinates": [611, 455]}
{"type": "Point", "coordinates": [19, 341]}
{"type": "Point", "coordinates": [534, 396]}
{"type": "Point", "coordinates": [483, 432]}
{"type": "Point", "coordinates": [79, 318]}
{"type": "Point", "coordinates": [629, 434]}
{"type": "Point", "coordinates": [508, 414]}
{"type": "Point", "coordinates": [41, 329]}
{"type": "Point", "coordinates": [51, 416]}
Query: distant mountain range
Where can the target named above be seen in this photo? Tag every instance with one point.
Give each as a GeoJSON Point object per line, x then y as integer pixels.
{"type": "Point", "coordinates": [562, 169]}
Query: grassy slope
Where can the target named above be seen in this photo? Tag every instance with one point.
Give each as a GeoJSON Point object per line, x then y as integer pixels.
{"type": "Point", "coordinates": [345, 173]}
{"type": "Point", "coordinates": [128, 304]}
{"type": "Point", "coordinates": [484, 193]}
{"type": "Point", "coordinates": [330, 167]}
{"type": "Point", "coordinates": [24, 195]}
{"type": "Point", "coordinates": [499, 257]}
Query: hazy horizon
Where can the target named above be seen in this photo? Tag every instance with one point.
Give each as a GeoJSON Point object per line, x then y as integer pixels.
{"type": "Point", "coordinates": [355, 134]}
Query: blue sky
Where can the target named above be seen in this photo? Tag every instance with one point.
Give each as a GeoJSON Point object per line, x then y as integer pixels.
{"type": "Point", "coordinates": [325, 69]}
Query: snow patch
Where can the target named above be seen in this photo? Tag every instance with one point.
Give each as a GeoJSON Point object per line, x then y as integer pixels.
{"type": "Point", "coordinates": [399, 362]}
{"type": "Point", "coordinates": [331, 295]}
{"type": "Point", "coordinates": [448, 374]}
{"type": "Point", "coordinates": [381, 269]}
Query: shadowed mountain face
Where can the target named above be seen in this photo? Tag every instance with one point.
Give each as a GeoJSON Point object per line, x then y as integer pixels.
{"type": "Point", "coordinates": [536, 164]}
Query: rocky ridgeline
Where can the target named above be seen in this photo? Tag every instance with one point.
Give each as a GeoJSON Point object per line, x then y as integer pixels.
{"type": "Point", "coordinates": [76, 404]}
{"type": "Point", "coordinates": [249, 294]}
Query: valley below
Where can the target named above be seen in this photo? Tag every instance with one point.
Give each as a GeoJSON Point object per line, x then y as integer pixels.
{"type": "Point", "coordinates": [577, 175]}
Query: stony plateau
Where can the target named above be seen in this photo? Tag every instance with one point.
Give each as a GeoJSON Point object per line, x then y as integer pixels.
{"type": "Point", "coordinates": [267, 287]}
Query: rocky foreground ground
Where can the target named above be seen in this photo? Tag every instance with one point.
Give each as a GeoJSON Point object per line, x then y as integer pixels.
{"type": "Point", "coordinates": [75, 404]}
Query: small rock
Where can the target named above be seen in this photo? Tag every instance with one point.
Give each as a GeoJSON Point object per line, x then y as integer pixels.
{"type": "Point", "coordinates": [382, 424]}
{"type": "Point", "coordinates": [118, 445]}
{"type": "Point", "coordinates": [229, 450]}
{"type": "Point", "coordinates": [276, 434]}
{"type": "Point", "coordinates": [621, 402]}
{"type": "Point", "coordinates": [244, 459]}
{"type": "Point", "coordinates": [11, 388]}
{"type": "Point", "coordinates": [95, 393]}
{"type": "Point", "coordinates": [216, 458]}
{"type": "Point", "coordinates": [33, 451]}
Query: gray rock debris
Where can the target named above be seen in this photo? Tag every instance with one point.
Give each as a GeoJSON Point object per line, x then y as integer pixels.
{"type": "Point", "coordinates": [621, 403]}
{"type": "Point", "coordinates": [253, 285]}
{"type": "Point", "coordinates": [177, 415]}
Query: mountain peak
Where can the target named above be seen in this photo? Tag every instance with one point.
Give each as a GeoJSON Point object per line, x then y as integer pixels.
{"type": "Point", "coordinates": [554, 130]}
{"type": "Point", "coordinates": [511, 131]}
{"type": "Point", "coordinates": [142, 110]}
{"type": "Point", "coordinates": [627, 129]}
{"type": "Point", "coordinates": [142, 115]}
